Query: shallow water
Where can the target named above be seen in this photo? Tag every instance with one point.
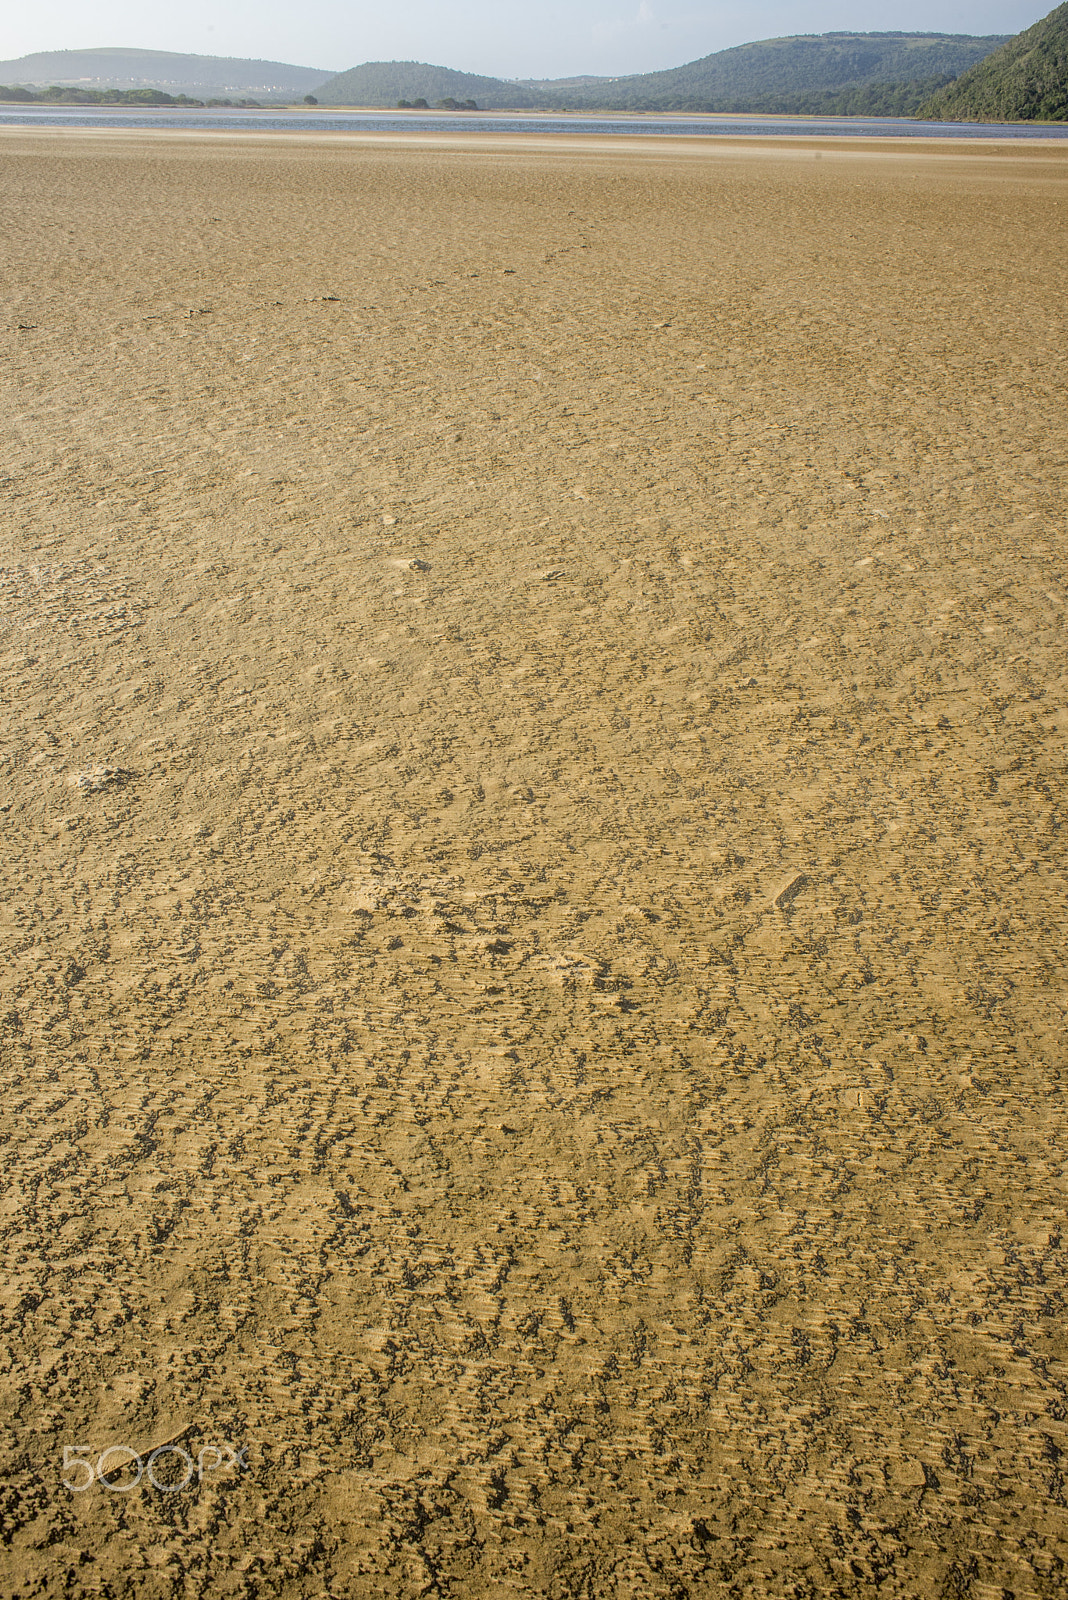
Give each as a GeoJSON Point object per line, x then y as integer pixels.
{"type": "Point", "coordinates": [405, 122]}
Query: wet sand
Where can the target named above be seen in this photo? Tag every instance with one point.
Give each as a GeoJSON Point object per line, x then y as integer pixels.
{"type": "Point", "coordinates": [532, 985]}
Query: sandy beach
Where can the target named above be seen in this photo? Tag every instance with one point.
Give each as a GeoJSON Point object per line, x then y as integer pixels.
{"type": "Point", "coordinates": [533, 997]}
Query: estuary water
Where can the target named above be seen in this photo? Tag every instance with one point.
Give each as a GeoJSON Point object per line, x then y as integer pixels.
{"type": "Point", "coordinates": [222, 119]}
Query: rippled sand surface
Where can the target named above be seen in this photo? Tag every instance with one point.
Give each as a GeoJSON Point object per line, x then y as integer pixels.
{"type": "Point", "coordinates": [532, 984]}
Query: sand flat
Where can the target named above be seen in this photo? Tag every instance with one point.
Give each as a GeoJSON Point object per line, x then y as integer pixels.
{"type": "Point", "coordinates": [532, 984]}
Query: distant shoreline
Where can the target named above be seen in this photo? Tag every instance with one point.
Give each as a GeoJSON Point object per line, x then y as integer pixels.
{"type": "Point", "coordinates": [577, 144]}
{"type": "Point", "coordinates": [40, 115]}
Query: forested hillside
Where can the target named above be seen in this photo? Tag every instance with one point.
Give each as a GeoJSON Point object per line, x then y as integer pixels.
{"type": "Point", "coordinates": [1025, 81]}
{"type": "Point", "coordinates": [384, 83]}
{"type": "Point", "coordinates": [792, 74]}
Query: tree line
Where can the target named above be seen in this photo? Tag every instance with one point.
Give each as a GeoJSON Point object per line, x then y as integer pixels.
{"type": "Point", "coordinates": [448, 104]}
{"type": "Point", "coordinates": [58, 95]}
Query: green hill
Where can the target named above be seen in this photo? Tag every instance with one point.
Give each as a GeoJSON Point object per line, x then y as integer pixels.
{"type": "Point", "coordinates": [383, 83]}
{"type": "Point", "coordinates": [1025, 81]}
{"type": "Point", "coordinates": [872, 74]}
{"type": "Point", "coordinates": [810, 72]}
{"type": "Point", "coordinates": [160, 69]}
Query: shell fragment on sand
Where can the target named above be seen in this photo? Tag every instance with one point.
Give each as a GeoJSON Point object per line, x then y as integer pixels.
{"type": "Point", "coordinates": [790, 890]}
{"type": "Point", "coordinates": [99, 777]}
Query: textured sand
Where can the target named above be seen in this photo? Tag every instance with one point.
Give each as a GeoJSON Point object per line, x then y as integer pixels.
{"type": "Point", "coordinates": [532, 985]}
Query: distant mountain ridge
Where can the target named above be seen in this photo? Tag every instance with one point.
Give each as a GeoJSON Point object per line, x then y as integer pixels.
{"type": "Point", "coordinates": [1026, 80]}
{"type": "Point", "coordinates": [108, 68]}
{"type": "Point", "coordinates": [875, 74]}
{"type": "Point", "coordinates": [764, 75]}
{"type": "Point", "coordinates": [383, 83]}
{"type": "Point", "coordinates": [871, 73]}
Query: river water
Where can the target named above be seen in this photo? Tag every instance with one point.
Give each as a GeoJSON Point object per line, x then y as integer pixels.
{"type": "Point", "coordinates": [221, 119]}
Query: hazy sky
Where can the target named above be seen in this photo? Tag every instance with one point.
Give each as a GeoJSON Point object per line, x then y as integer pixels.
{"type": "Point", "coordinates": [504, 38]}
